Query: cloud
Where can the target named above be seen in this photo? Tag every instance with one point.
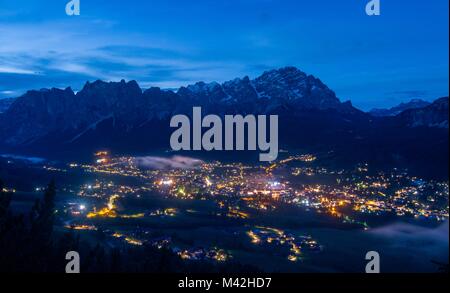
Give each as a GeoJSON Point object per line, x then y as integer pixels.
{"type": "Point", "coordinates": [162, 163]}
{"type": "Point", "coordinates": [5, 69]}
{"type": "Point", "coordinates": [7, 93]}
{"type": "Point", "coordinates": [62, 53]}
{"type": "Point", "coordinates": [417, 239]}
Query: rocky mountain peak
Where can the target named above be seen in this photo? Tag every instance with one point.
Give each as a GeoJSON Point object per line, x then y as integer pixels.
{"type": "Point", "coordinates": [413, 104]}
{"type": "Point", "coordinates": [38, 113]}
{"type": "Point", "coordinates": [433, 115]}
{"type": "Point", "coordinates": [298, 88]}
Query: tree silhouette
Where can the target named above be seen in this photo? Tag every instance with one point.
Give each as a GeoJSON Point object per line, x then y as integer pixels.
{"type": "Point", "coordinates": [43, 215]}
{"type": "Point", "coordinates": [5, 200]}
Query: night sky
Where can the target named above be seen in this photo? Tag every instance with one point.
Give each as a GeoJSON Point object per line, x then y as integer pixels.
{"type": "Point", "coordinates": [376, 61]}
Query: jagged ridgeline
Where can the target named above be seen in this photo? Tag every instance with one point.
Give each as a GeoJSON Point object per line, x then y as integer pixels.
{"type": "Point", "coordinates": [122, 117]}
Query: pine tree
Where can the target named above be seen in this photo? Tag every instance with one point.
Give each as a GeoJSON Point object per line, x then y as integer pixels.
{"type": "Point", "coordinates": [43, 215]}
{"type": "Point", "coordinates": [40, 237]}
{"type": "Point", "coordinates": [5, 200]}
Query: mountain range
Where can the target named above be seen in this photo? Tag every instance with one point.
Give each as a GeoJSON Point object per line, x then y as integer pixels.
{"type": "Point", "coordinates": [394, 111]}
{"type": "Point", "coordinates": [120, 116]}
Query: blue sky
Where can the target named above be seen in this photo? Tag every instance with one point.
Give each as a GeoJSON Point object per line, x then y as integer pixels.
{"type": "Point", "coordinates": [372, 61]}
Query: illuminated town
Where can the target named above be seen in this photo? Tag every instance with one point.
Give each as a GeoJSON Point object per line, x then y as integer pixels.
{"type": "Point", "coordinates": [241, 196]}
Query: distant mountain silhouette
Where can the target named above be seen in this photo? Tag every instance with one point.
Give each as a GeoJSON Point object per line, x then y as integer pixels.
{"type": "Point", "coordinates": [434, 115]}
{"type": "Point", "coordinates": [121, 117]}
{"type": "Point", "coordinates": [413, 104]}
